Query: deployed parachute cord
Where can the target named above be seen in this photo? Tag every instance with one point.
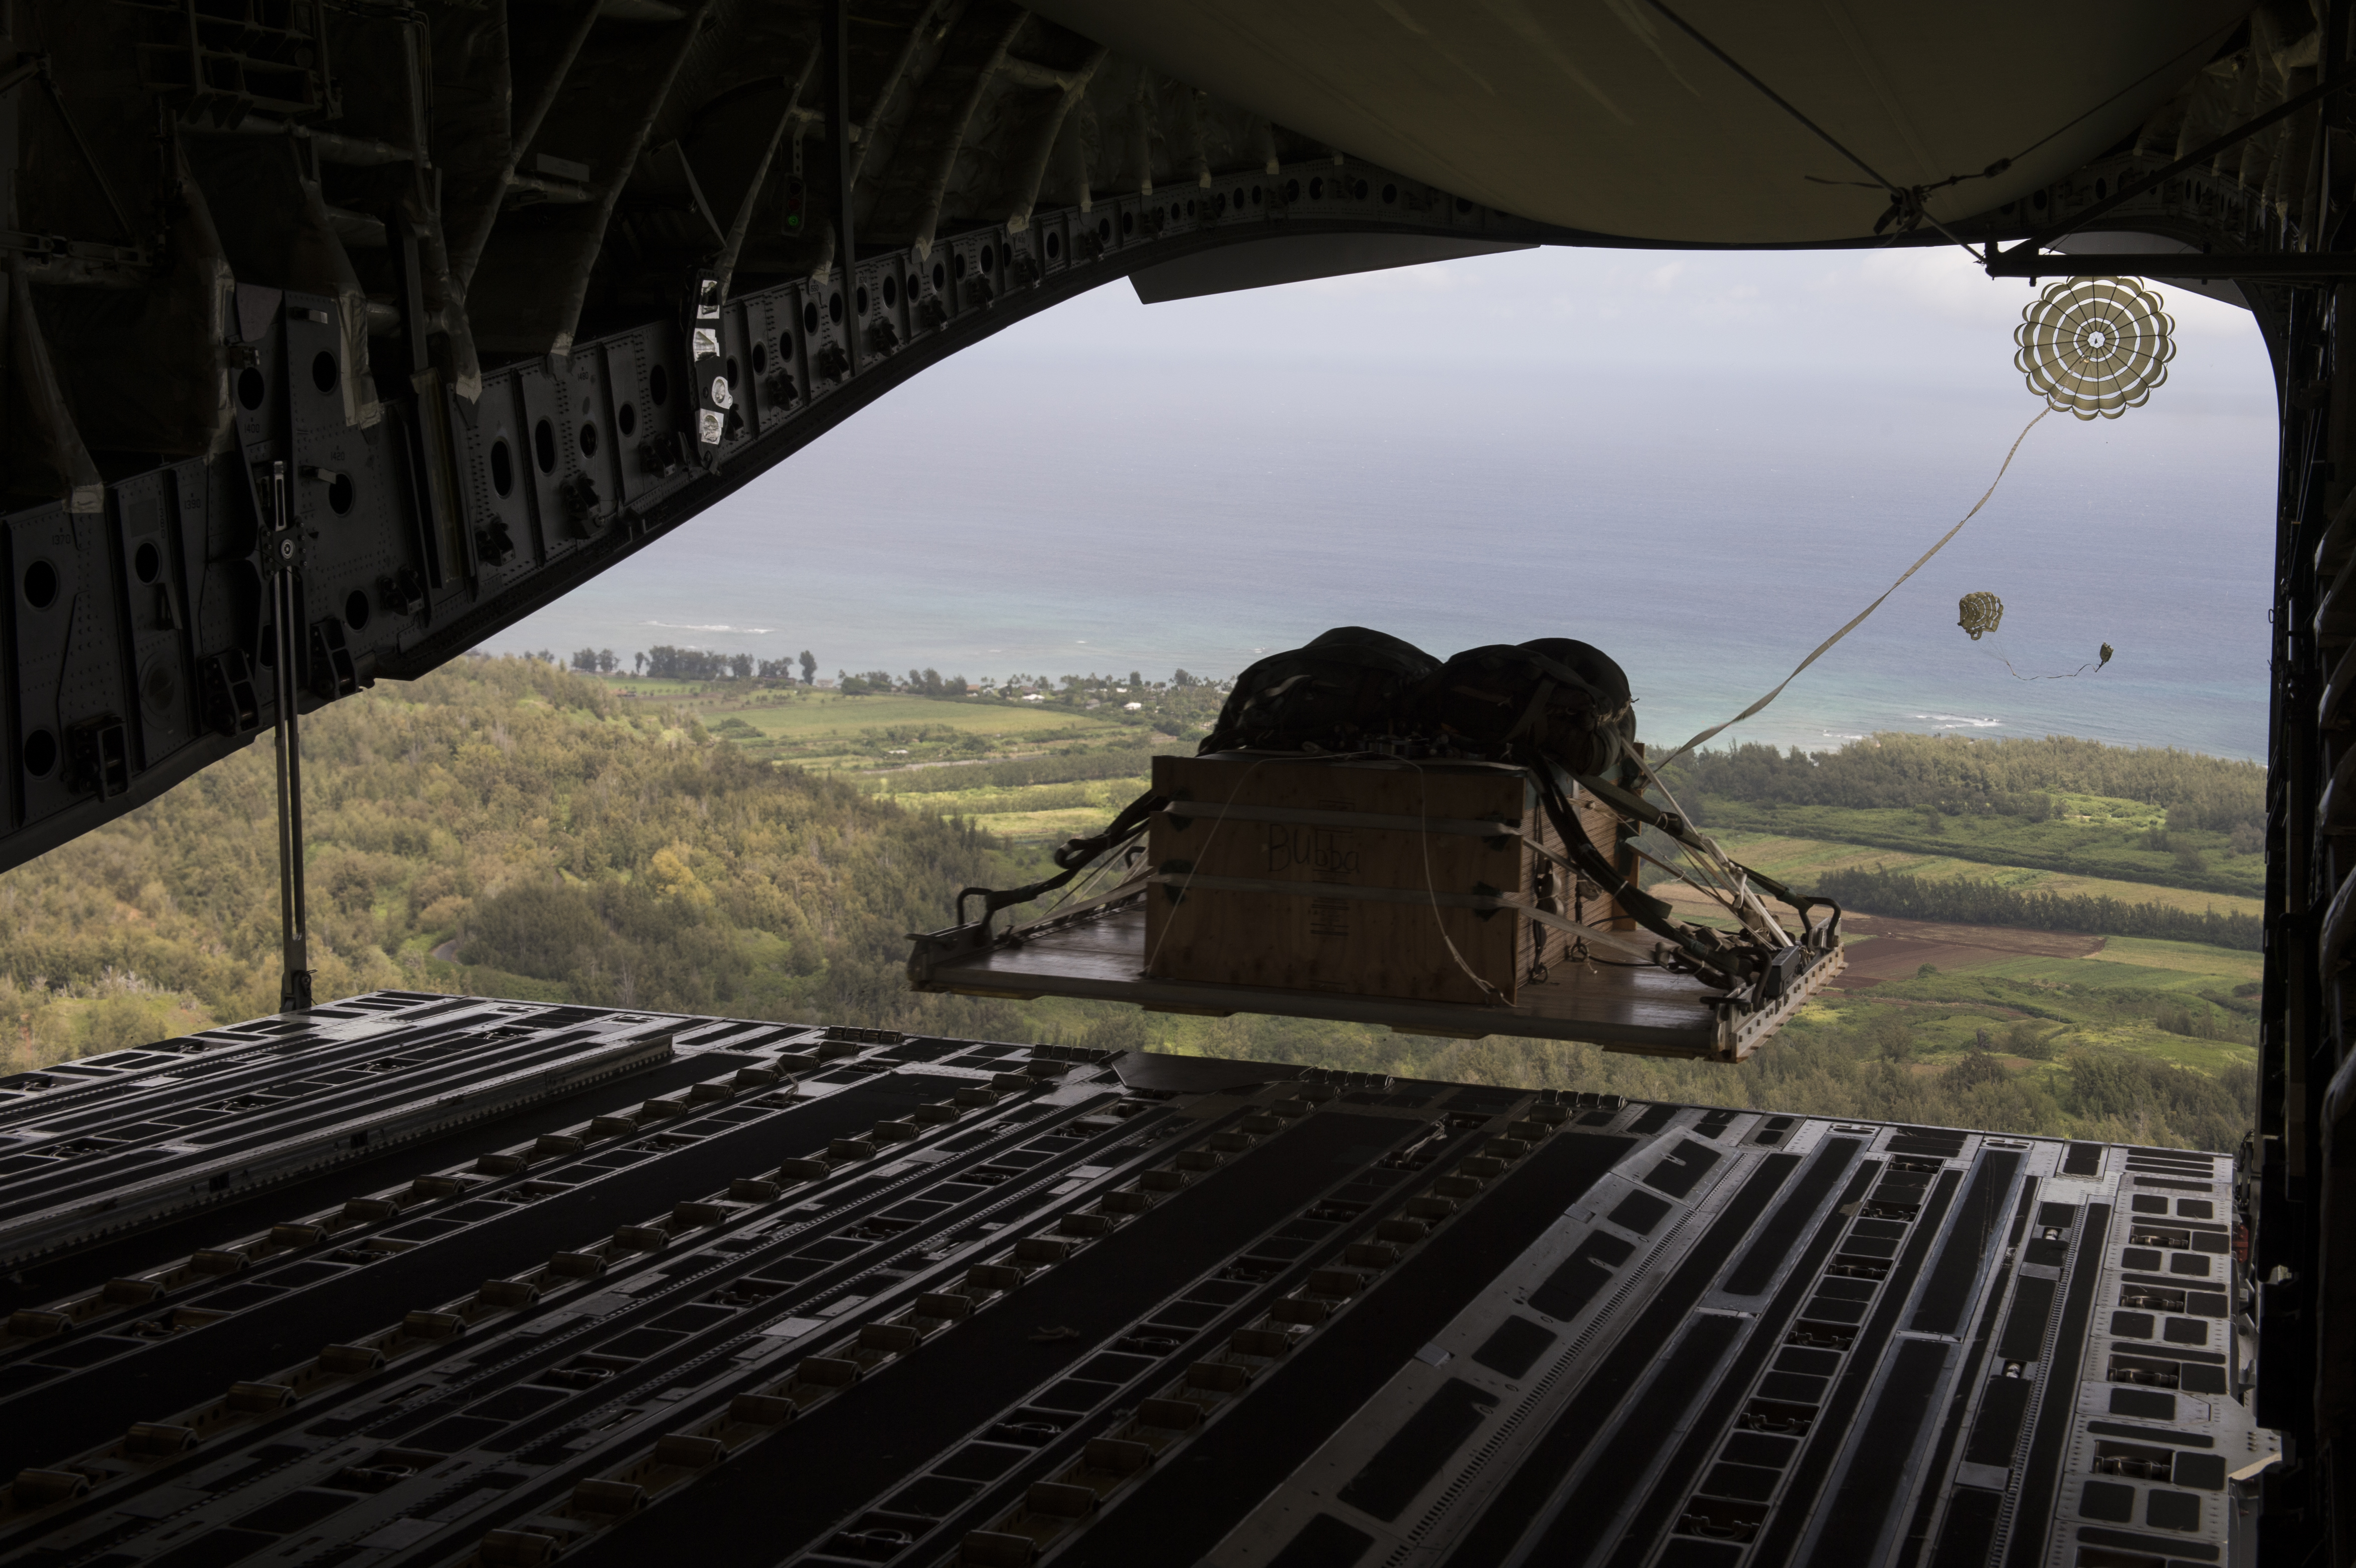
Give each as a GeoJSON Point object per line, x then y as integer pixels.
{"type": "Point", "coordinates": [1645, 812]}
{"type": "Point", "coordinates": [1742, 904]}
{"type": "Point", "coordinates": [1825, 646]}
{"type": "Point", "coordinates": [1719, 965]}
{"type": "Point", "coordinates": [2095, 665]}
{"type": "Point", "coordinates": [1680, 827]}
{"type": "Point", "coordinates": [1209, 839]}
{"type": "Point", "coordinates": [1423, 841]}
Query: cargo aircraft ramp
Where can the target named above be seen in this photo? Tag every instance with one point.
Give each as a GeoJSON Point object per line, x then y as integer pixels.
{"type": "Point", "coordinates": [791, 1293]}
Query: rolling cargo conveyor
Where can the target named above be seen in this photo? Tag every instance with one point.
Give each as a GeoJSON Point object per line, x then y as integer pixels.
{"type": "Point", "coordinates": [853, 1297]}
{"type": "Point", "coordinates": [89, 1156]}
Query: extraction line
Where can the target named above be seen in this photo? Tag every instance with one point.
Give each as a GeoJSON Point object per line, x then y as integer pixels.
{"type": "Point", "coordinates": [1744, 903]}
{"type": "Point", "coordinates": [1824, 646]}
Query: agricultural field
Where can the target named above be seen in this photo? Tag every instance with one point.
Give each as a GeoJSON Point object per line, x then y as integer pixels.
{"type": "Point", "coordinates": [2093, 838]}
{"type": "Point", "coordinates": [939, 756]}
{"type": "Point", "coordinates": [827, 732]}
{"type": "Point", "coordinates": [1798, 860]}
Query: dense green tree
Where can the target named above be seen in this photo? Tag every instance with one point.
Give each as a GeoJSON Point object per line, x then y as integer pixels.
{"type": "Point", "coordinates": [1960, 777]}
{"type": "Point", "coordinates": [1969, 902]}
{"type": "Point", "coordinates": [500, 826]}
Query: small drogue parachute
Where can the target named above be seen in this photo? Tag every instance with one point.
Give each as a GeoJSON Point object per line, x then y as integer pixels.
{"type": "Point", "coordinates": [1980, 613]}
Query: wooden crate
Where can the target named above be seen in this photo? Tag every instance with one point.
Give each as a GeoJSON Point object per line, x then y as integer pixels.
{"type": "Point", "coordinates": [1353, 877]}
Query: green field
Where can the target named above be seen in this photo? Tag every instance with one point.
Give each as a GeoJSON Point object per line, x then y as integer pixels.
{"type": "Point", "coordinates": [2099, 1000]}
{"type": "Point", "coordinates": [2093, 839]}
{"type": "Point", "coordinates": [914, 750]}
{"type": "Point", "coordinates": [827, 732]}
{"type": "Point", "coordinates": [2115, 998]}
{"type": "Point", "coordinates": [1794, 859]}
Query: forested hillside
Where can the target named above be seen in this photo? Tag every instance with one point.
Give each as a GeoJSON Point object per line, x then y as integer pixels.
{"type": "Point", "coordinates": [505, 827]}
{"type": "Point", "coordinates": [543, 836]}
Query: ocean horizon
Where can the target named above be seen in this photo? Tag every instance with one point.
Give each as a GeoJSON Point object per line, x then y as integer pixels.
{"type": "Point", "coordinates": [1102, 490]}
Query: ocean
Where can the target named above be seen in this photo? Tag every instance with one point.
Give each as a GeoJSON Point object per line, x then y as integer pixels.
{"type": "Point", "coordinates": [1702, 482]}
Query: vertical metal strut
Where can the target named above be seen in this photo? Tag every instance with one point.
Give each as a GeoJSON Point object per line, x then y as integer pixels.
{"type": "Point", "coordinates": [834, 43]}
{"type": "Point", "coordinates": [294, 986]}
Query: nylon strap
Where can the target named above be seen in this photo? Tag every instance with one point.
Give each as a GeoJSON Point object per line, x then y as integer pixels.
{"type": "Point", "coordinates": [1466, 827]}
{"type": "Point", "coordinates": [1484, 903]}
{"type": "Point", "coordinates": [1825, 646]}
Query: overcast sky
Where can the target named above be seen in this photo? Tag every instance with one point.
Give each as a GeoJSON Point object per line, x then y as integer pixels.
{"type": "Point", "coordinates": [1718, 457]}
{"type": "Point", "coordinates": [1917, 314]}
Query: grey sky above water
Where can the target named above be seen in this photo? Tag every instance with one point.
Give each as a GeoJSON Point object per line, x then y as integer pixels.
{"type": "Point", "coordinates": [1714, 459]}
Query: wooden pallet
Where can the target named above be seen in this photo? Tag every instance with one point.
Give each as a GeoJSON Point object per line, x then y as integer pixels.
{"type": "Point", "coordinates": [1101, 957]}
{"type": "Point", "coordinates": [1357, 874]}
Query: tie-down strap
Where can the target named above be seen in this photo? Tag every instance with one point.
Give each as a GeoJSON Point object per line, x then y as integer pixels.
{"type": "Point", "coordinates": [1485, 903]}
{"type": "Point", "coordinates": [1367, 821]}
